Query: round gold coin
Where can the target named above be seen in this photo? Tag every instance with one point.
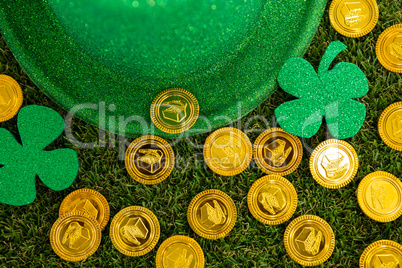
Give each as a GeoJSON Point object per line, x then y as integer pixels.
{"type": "Point", "coordinates": [174, 110]}
{"type": "Point", "coordinates": [380, 196]}
{"type": "Point", "coordinates": [228, 151]}
{"type": "Point", "coordinates": [382, 253]}
{"type": "Point", "coordinates": [272, 199]}
{"type": "Point", "coordinates": [390, 124]}
{"type": "Point", "coordinates": [334, 163]}
{"type": "Point", "coordinates": [277, 152]}
{"type": "Point", "coordinates": [389, 48]}
{"type": "Point", "coordinates": [212, 214]}
{"type": "Point", "coordinates": [149, 159]}
{"type": "Point", "coordinates": [10, 97]}
{"type": "Point", "coordinates": [309, 240]}
{"type": "Point", "coordinates": [88, 201]}
{"type": "Point", "coordinates": [180, 251]}
{"type": "Point", "coordinates": [75, 236]}
{"type": "Point", "coordinates": [134, 231]}
{"type": "Point", "coordinates": [353, 18]}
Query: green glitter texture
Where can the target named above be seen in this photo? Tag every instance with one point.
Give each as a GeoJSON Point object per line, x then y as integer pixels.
{"type": "Point", "coordinates": [328, 93]}
{"type": "Point", "coordinates": [227, 53]}
{"type": "Point", "coordinates": [38, 127]}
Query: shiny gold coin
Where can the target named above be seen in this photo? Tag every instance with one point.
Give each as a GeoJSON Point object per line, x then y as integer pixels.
{"type": "Point", "coordinates": [309, 240]}
{"type": "Point", "coordinates": [75, 236]}
{"type": "Point", "coordinates": [134, 231]}
{"type": "Point", "coordinates": [10, 97]}
{"type": "Point", "coordinates": [382, 254]}
{"type": "Point", "coordinates": [334, 163]}
{"type": "Point", "coordinates": [212, 214]}
{"type": "Point", "coordinates": [180, 251]}
{"type": "Point", "coordinates": [353, 18]}
{"type": "Point", "coordinates": [390, 125]}
{"type": "Point", "coordinates": [380, 196]}
{"type": "Point", "coordinates": [277, 152]}
{"type": "Point", "coordinates": [389, 48]}
{"type": "Point", "coordinates": [174, 110]}
{"type": "Point", "coordinates": [228, 151]}
{"type": "Point", "coordinates": [149, 159]}
{"type": "Point", "coordinates": [88, 201]}
{"type": "Point", "coordinates": [272, 199]}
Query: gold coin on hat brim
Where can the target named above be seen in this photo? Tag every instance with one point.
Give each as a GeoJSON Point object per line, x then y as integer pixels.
{"type": "Point", "coordinates": [382, 253]}
{"type": "Point", "coordinates": [134, 231]}
{"type": "Point", "coordinates": [228, 151]}
{"type": "Point", "coordinates": [212, 214]}
{"type": "Point", "coordinates": [389, 48]}
{"type": "Point", "coordinates": [174, 110]}
{"type": "Point", "coordinates": [272, 199]}
{"type": "Point", "coordinates": [277, 152]}
{"type": "Point", "coordinates": [353, 19]}
{"type": "Point", "coordinates": [10, 97]}
{"type": "Point", "coordinates": [88, 201]}
{"type": "Point", "coordinates": [75, 236]}
{"type": "Point", "coordinates": [379, 195]}
{"type": "Point", "coordinates": [180, 251]}
{"type": "Point", "coordinates": [149, 159]}
{"type": "Point", "coordinates": [309, 240]}
{"type": "Point", "coordinates": [389, 126]}
{"type": "Point", "coordinates": [334, 163]}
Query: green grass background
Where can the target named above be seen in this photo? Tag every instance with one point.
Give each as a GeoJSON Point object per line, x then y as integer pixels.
{"type": "Point", "coordinates": [24, 231]}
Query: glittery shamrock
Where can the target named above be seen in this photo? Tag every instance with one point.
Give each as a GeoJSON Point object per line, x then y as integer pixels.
{"type": "Point", "coordinates": [327, 93]}
{"type": "Point", "coordinates": [38, 126]}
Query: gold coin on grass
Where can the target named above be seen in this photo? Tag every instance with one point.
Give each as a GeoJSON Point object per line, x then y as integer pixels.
{"type": "Point", "coordinates": [75, 236]}
{"type": "Point", "coordinates": [149, 159]}
{"type": "Point", "coordinates": [134, 231]}
{"type": "Point", "coordinates": [10, 97]}
{"type": "Point", "coordinates": [272, 199]}
{"type": "Point", "coordinates": [389, 48]}
{"type": "Point", "coordinates": [380, 196]}
{"type": "Point", "coordinates": [309, 240]}
{"type": "Point", "coordinates": [88, 201]}
{"type": "Point", "coordinates": [212, 214]}
{"type": "Point", "coordinates": [390, 126]}
{"type": "Point", "coordinates": [228, 151]}
{"type": "Point", "coordinates": [353, 18]}
{"type": "Point", "coordinates": [174, 110]}
{"type": "Point", "coordinates": [334, 163]}
{"type": "Point", "coordinates": [180, 251]}
{"type": "Point", "coordinates": [277, 152]}
{"type": "Point", "coordinates": [382, 254]}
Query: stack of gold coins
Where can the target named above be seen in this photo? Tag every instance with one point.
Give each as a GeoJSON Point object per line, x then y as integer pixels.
{"type": "Point", "coordinates": [76, 235]}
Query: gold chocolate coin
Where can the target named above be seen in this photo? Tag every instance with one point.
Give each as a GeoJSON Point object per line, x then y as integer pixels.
{"type": "Point", "coordinates": [277, 152]}
{"type": "Point", "coordinates": [334, 163]}
{"type": "Point", "coordinates": [180, 251]}
{"type": "Point", "coordinates": [174, 110]}
{"type": "Point", "coordinates": [212, 214]}
{"type": "Point", "coordinates": [380, 196]}
{"type": "Point", "coordinates": [149, 159]}
{"type": "Point", "coordinates": [227, 151]}
{"type": "Point", "coordinates": [309, 240]}
{"type": "Point", "coordinates": [389, 48]}
{"type": "Point", "coordinates": [390, 125]}
{"type": "Point", "coordinates": [272, 199]}
{"type": "Point", "coordinates": [88, 201]}
{"type": "Point", "coordinates": [382, 253]}
{"type": "Point", "coordinates": [353, 18]}
{"type": "Point", "coordinates": [10, 97]}
{"type": "Point", "coordinates": [134, 231]}
{"type": "Point", "coordinates": [75, 236]}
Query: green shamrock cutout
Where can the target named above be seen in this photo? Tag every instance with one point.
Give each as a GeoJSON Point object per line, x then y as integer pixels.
{"type": "Point", "coordinates": [38, 126]}
{"type": "Point", "coordinates": [328, 94]}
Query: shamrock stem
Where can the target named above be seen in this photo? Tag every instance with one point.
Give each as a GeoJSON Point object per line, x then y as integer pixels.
{"type": "Point", "coordinates": [330, 54]}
